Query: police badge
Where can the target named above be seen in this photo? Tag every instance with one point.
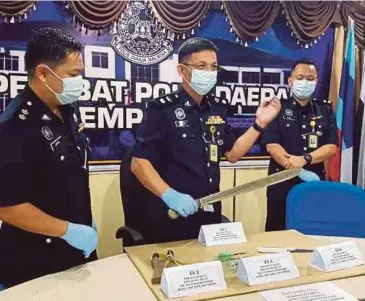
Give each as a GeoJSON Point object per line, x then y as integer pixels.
{"type": "Point", "coordinates": [139, 40]}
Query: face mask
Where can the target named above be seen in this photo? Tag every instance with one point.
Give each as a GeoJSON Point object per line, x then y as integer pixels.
{"type": "Point", "coordinates": [203, 81]}
{"type": "Point", "coordinates": [303, 89]}
{"type": "Point", "coordinates": [72, 89]}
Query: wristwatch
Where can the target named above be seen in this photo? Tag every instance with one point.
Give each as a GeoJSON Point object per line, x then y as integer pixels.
{"type": "Point", "coordinates": [308, 158]}
{"type": "Point", "coordinates": [258, 128]}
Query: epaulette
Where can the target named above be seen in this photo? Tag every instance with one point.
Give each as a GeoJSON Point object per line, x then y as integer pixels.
{"type": "Point", "coordinates": [166, 100]}
{"type": "Point", "coordinates": [324, 102]}
{"type": "Point", "coordinates": [218, 100]}
{"type": "Point", "coordinates": [17, 110]}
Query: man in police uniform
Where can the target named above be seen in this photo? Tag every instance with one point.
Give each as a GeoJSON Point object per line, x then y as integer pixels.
{"type": "Point", "coordinates": [303, 135]}
{"type": "Point", "coordinates": [179, 146]}
{"type": "Point", "coordinates": [44, 195]}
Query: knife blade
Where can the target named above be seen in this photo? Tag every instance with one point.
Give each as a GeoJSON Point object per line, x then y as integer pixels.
{"type": "Point", "coordinates": [244, 188]}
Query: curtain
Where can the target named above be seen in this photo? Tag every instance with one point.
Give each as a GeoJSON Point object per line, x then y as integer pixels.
{"type": "Point", "coordinates": [309, 19]}
{"type": "Point", "coordinates": [180, 17]}
{"type": "Point", "coordinates": [15, 9]}
{"type": "Point", "coordinates": [357, 12]}
{"type": "Point", "coordinates": [98, 14]}
{"type": "Point", "coordinates": [252, 18]}
{"type": "Point", "coordinates": [248, 19]}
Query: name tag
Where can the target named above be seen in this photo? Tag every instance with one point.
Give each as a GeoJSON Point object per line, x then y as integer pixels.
{"type": "Point", "coordinates": [193, 279]}
{"type": "Point", "coordinates": [336, 257]}
{"type": "Point", "coordinates": [312, 141]}
{"type": "Point", "coordinates": [266, 269]}
{"type": "Point", "coordinates": [222, 234]}
{"type": "Point", "coordinates": [213, 153]}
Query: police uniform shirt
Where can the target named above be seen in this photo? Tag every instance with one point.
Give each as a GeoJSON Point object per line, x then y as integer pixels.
{"type": "Point", "coordinates": [180, 137]}
{"type": "Point", "coordinates": [43, 161]}
{"type": "Point", "coordinates": [301, 129]}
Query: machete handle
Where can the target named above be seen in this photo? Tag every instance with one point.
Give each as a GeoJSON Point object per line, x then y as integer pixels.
{"type": "Point", "coordinates": [172, 214]}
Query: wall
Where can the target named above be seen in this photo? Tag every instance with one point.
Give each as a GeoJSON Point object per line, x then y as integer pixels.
{"type": "Point", "coordinates": [108, 213]}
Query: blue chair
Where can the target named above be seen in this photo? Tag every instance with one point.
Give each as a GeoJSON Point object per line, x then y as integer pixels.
{"type": "Point", "coordinates": [326, 208]}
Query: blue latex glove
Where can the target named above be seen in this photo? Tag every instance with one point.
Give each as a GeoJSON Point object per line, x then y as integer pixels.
{"type": "Point", "coordinates": [81, 237]}
{"type": "Point", "coordinates": [182, 203]}
{"type": "Point", "coordinates": [308, 176]}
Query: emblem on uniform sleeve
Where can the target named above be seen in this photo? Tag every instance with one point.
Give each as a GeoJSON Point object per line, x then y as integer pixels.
{"type": "Point", "coordinates": [180, 114]}
{"type": "Point", "coordinates": [47, 133]}
{"type": "Point", "coordinates": [139, 39]}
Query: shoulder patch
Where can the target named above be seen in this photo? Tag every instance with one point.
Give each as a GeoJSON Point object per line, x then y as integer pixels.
{"type": "Point", "coordinates": [15, 110]}
{"type": "Point", "coordinates": [218, 100]}
{"type": "Point", "coordinates": [324, 102]}
{"type": "Point", "coordinates": [166, 100]}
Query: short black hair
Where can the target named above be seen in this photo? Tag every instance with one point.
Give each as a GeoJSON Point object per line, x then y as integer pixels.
{"type": "Point", "coordinates": [51, 46]}
{"type": "Point", "coordinates": [304, 61]}
{"type": "Point", "coordinates": [194, 45]}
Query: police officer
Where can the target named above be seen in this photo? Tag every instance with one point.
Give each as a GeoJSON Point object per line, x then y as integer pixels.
{"type": "Point", "coordinates": [44, 195]}
{"type": "Point", "coordinates": [303, 135]}
{"type": "Point", "coordinates": [180, 143]}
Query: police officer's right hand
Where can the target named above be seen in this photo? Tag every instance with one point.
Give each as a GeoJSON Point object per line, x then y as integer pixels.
{"type": "Point", "coordinates": [182, 203]}
{"type": "Point", "coordinates": [81, 237]}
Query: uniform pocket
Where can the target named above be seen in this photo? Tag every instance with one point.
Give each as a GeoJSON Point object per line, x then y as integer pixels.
{"type": "Point", "coordinates": [186, 142]}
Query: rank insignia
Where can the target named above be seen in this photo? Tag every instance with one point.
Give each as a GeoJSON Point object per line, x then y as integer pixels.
{"type": "Point", "coordinates": [215, 120]}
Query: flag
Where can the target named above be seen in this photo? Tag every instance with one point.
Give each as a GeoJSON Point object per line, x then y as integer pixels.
{"type": "Point", "coordinates": [361, 113]}
{"type": "Point", "coordinates": [340, 166]}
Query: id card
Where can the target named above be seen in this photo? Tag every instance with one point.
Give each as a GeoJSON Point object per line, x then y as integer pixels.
{"type": "Point", "coordinates": [312, 141]}
{"type": "Point", "coordinates": [213, 153]}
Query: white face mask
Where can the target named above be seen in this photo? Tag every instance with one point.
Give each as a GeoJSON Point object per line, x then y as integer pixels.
{"type": "Point", "coordinates": [72, 89]}
{"type": "Point", "coordinates": [303, 89]}
{"type": "Point", "coordinates": [203, 81]}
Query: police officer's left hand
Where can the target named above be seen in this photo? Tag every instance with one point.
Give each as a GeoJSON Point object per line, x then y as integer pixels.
{"type": "Point", "coordinates": [294, 162]}
{"type": "Point", "coordinates": [267, 111]}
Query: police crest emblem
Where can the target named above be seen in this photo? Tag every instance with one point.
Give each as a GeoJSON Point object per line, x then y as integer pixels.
{"type": "Point", "coordinates": [47, 133]}
{"type": "Point", "coordinates": [139, 40]}
{"type": "Point", "coordinates": [180, 114]}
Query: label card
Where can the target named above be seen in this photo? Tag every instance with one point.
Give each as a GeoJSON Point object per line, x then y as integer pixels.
{"type": "Point", "coordinates": [336, 257]}
{"type": "Point", "coordinates": [266, 269]}
{"type": "Point", "coordinates": [221, 234]}
{"type": "Point", "coordinates": [193, 279]}
{"type": "Point", "coordinates": [325, 291]}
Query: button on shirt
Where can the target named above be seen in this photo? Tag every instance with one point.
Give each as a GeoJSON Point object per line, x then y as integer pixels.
{"type": "Point", "coordinates": [43, 161]}
{"type": "Point", "coordinates": [294, 125]}
{"type": "Point", "coordinates": [176, 135]}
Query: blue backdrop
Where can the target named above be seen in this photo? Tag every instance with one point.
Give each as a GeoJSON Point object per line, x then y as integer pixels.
{"type": "Point", "coordinates": [114, 91]}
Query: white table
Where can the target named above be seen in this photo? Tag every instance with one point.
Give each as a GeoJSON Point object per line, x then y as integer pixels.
{"type": "Point", "coordinates": [116, 278]}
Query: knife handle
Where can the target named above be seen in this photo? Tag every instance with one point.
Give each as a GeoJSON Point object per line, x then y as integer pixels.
{"type": "Point", "coordinates": [172, 214]}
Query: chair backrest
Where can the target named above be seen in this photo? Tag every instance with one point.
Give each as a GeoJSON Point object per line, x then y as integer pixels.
{"type": "Point", "coordinates": [326, 208]}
